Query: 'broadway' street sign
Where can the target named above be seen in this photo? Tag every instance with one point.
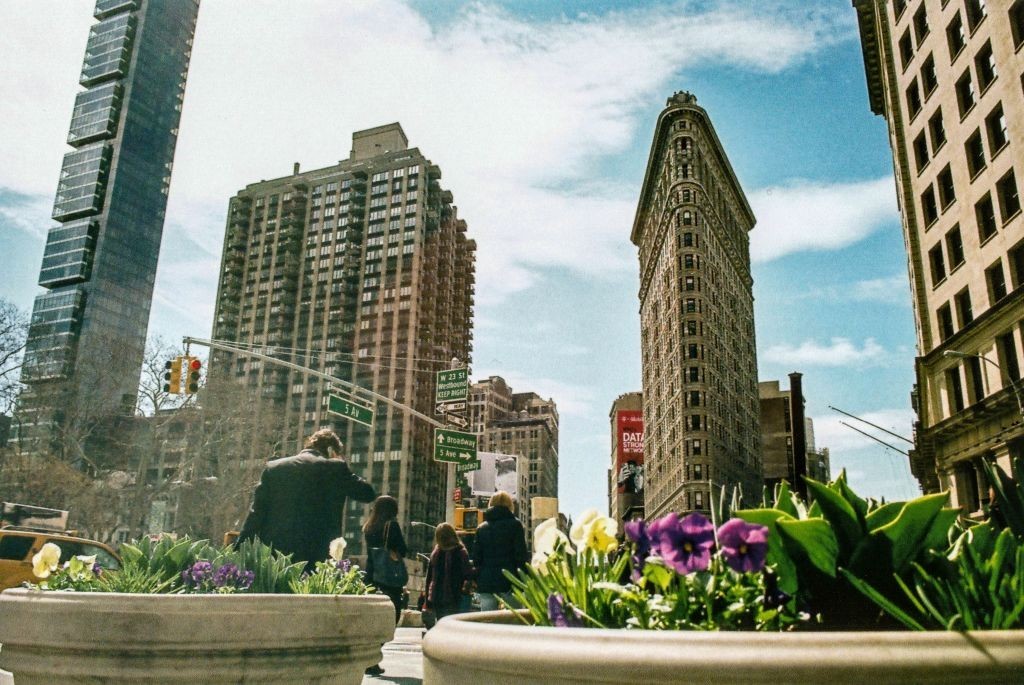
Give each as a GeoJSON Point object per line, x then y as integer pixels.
{"type": "Point", "coordinates": [454, 446]}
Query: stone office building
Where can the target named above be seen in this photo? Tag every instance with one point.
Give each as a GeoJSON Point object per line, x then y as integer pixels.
{"type": "Point", "coordinates": [947, 76]}
{"type": "Point", "coordinates": [699, 364]}
{"type": "Point", "coordinates": [362, 270]}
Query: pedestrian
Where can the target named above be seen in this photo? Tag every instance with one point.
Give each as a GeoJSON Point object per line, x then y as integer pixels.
{"type": "Point", "coordinates": [448, 572]}
{"type": "Point", "coordinates": [500, 546]}
{"type": "Point", "coordinates": [298, 505]}
{"type": "Point", "coordinates": [382, 530]}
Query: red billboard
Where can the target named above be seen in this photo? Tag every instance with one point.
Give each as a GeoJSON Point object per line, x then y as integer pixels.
{"type": "Point", "coordinates": [629, 464]}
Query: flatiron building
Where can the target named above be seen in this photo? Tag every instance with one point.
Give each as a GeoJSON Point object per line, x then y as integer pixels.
{"type": "Point", "coordinates": [700, 398]}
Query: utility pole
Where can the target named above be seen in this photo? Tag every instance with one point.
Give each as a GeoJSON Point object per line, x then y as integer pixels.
{"type": "Point", "coordinates": [449, 488]}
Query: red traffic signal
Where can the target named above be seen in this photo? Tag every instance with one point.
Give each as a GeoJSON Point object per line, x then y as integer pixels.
{"type": "Point", "coordinates": [194, 366]}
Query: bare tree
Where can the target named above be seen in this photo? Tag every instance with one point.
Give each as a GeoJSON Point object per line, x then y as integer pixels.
{"type": "Point", "coordinates": [13, 331]}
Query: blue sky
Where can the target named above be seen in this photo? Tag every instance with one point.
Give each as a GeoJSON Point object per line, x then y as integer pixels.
{"type": "Point", "coordinates": [540, 115]}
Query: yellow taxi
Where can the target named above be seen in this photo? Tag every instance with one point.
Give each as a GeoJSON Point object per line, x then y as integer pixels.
{"type": "Point", "coordinates": [18, 543]}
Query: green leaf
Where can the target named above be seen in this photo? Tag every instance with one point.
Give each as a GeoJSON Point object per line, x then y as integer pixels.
{"type": "Point", "coordinates": [860, 506]}
{"type": "Point", "coordinates": [920, 520]}
{"type": "Point", "coordinates": [777, 555]}
{"type": "Point", "coordinates": [883, 515]}
{"type": "Point", "coordinates": [840, 514]}
{"type": "Point", "coordinates": [883, 602]}
{"type": "Point", "coordinates": [938, 536]}
{"type": "Point", "coordinates": [813, 540]}
{"type": "Point", "coordinates": [784, 499]}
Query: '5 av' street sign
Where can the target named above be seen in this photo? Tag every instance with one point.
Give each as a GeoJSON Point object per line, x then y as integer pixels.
{"type": "Point", "coordinates": [350, 410]}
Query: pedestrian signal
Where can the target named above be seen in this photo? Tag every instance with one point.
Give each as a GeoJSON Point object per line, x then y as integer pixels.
{"type": "Point", "coordinates": [466, 518]}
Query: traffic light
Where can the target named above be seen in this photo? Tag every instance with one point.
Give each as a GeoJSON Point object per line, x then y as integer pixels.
{"type": "Point", "coordinates": [172, 376]}
{"type": "Point", "coordinates": [466, 518]}
{"type": "Point", "coordinates": [193, 368]}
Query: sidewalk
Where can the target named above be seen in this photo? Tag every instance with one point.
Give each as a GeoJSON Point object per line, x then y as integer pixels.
{"type": "Point", "coordinates": [403, 659]}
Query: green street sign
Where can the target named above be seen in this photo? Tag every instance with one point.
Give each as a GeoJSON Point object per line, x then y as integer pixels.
{"type": "Point", "coordinates": [454, 446]}
{"type": "Point", "coordinates": [468, 466]}
{"type": "Point", "coordinates": [350, 410]}
{"type": "Point", "coordinates": [452, 385]}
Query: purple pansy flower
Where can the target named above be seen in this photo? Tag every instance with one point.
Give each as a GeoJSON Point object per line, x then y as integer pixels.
{"type": "Point", "coordinates": [558, 615]}
{"type": "Point", "coordinates": [198, 573]}
{"type": "Point", "coordinates": [343, 565]}
{"type": "Point", "coordinates": [744, 545]}
{"type": "Point", "coordinates": [229, 575]}
{"type": "Point", "coordinates": [684, 544]}
{"type": "Point", "coordinates": [638, 533]}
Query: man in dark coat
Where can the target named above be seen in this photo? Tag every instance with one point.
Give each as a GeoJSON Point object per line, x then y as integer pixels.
{"type": "Point", "coordinates": [500, 546]}
{"type": "Point", "coordinates": [298, 505]}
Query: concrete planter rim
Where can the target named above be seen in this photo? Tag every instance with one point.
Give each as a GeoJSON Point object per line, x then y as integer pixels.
{"type": "Point", "coordinates": [217, 638]}
{"type": "Point", "coordinates": [506, 649]}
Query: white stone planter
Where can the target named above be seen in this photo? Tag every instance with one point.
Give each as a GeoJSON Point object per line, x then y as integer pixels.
{"type": "Point", "coordinates": [494, 647]}
{"type": "Point", "coordinates": [50, 637]}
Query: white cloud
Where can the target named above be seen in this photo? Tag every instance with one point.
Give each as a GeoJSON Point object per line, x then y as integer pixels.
{"type": "Point", "coordinates": [888, 290]}
{"type": "Point", "coordinates": [516, 112]}
{"type": "Point", "coordinates": [838, 352]}
{"type": "Point", "coordinates": [830, 432]}
{"type": "Point", "coordinates": [802, 216]}
{"type": "Point", "coordinates": [28, 213]}
{"type": "Point", "coordinates": [572, 399]}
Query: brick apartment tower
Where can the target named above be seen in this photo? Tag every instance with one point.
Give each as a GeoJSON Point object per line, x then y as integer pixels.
{"type": "Point", "coordinates": [519, 423]}
{"type": "Point", "coordinates": [83, 357]}
{"type": "Point", "coordinates": [947, 75]}
{"type": "Point", "coordinates": [697, 318]}
{"type": "Point", "coordinates": [362, 270]}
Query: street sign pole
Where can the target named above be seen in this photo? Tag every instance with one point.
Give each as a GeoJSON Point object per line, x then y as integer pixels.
{"type": "Point", "coordinates": [451, 386]}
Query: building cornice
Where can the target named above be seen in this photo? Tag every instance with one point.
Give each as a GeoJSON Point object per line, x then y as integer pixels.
{"type": "Point", "coordinates": [867, 13]}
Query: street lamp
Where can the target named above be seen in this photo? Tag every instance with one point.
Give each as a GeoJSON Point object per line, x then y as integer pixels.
{"type": "Point", "coordinates": [421, 523]}
{"type": "Point", "coordinates": [957, 354]}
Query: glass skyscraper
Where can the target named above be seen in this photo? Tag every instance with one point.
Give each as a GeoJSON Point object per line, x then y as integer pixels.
{"type": "Point", "coordinates": [88, 330]}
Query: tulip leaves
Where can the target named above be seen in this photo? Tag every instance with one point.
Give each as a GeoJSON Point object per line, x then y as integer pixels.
{"type": "Point", "coordinates": [842, 531]}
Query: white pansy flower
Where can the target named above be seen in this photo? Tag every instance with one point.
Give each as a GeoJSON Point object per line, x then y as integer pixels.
{"type": "Point", "coordinates": [581, 527]}
{"type": "Point", "coordinates": [337, 548]}
{"type": "Point", "coordinates": [46, 560]}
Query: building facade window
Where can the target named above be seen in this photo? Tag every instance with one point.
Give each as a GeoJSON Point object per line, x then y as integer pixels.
{"type": "Point", "coordinates": [956, 38]}
{"type": "Point", "coordinates": [937, 131]}
{"type": "Point", "coordinates": [975, 151]}
{"type": "Point", "coordinates": [985, 214]}
{"type": "Point", "coordinates": [965, 93]}
{"type": "Point", "coordinates": [1009, 198]}
{"type": "Point", "coordinates": [964, 312]}
{"type": "Point", "coordinates": [938, 265]}
{"type": "Point", "coordinates": [985, 67]}
{"type": "Point", "coordinates": [945, 319]}
{"type": "Point", "coordinates": [955, 247]}
{"type": "Point", "coordinates": [996, 280]}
